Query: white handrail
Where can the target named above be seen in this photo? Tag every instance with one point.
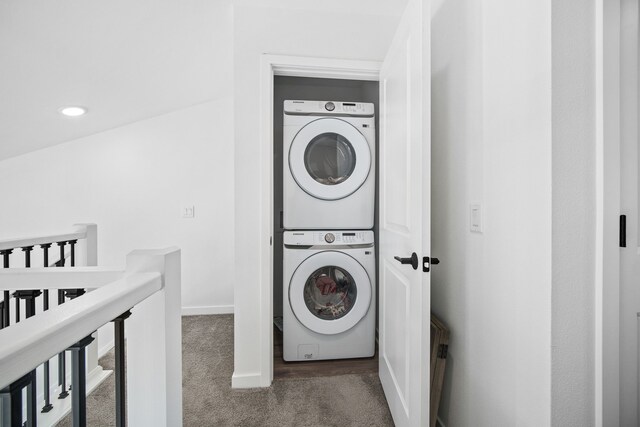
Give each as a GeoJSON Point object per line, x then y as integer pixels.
{"type": "Point", "coordinates": [35, 340]}
{"type": "Point", "coordinates": [21, 242]}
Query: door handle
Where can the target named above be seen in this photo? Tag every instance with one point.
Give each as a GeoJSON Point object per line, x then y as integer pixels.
{"type": "Point", "coordinates": [413, 260]}
{"type": "Point", "coordinates": [428, 262]}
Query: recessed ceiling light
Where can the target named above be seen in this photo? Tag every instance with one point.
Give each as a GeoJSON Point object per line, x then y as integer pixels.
{"type": "Point", "coordinates": [73, 111]}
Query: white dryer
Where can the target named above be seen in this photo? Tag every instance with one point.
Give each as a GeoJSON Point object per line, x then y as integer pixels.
{"type": "Point", "coordinates": [329, 165]}
{"type": "Point", "coordinates": [329, 295]}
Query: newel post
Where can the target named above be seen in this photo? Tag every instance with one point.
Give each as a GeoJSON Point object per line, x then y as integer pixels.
{"type": "Point", "coordinates": [88, 256]}
{"type": "Point", "coordinates": [90, 250]}
{"type": "Point", "coordinates": [154, 344]}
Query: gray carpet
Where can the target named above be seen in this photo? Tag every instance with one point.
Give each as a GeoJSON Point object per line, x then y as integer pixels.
{"type": "Point", "coordinates": [346, 400]}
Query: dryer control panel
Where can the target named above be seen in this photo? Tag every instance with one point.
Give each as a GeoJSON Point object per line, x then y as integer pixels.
{"type": "Point", "coordinates": [329, 108]}
{"type": "Point", "coordinates": [330, 237]}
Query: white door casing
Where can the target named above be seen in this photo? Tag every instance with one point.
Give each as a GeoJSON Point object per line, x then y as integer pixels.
{"type": "Point", "coordinates": [270, 66]}
{"type": "Point", "coordinates": [405, 219]}
{"type": "Point", "coordinates": [629, 202]}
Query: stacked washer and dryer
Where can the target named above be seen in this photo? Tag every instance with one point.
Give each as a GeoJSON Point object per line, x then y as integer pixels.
{"type": "Point", "coordinates": [328, 215]}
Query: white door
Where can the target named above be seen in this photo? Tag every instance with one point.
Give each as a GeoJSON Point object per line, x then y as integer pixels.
{"type": "Point", "coordinates": [405, 219]}
{"type": "Point", "coordinates": [629, 191]}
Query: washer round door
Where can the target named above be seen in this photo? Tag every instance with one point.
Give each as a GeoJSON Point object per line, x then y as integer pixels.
{"type": "Point", "coordinates": [330, 292]}
{"type": "Point", "coordinates": [329, 159]}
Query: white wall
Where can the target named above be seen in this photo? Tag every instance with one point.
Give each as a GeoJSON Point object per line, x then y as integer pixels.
{"type": "Point", "coordinates": [132, 181]}
{"type": "Point", "coordinates": [258, 30]}
{"type": "Point", "coordinates": [491, 143]}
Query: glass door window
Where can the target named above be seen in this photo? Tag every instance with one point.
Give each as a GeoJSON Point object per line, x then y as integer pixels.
{"type": "Point", "coordinates": [330, 158]}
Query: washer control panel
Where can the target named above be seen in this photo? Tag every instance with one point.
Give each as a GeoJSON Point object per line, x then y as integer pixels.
{"type": "Point", "coordinates": [333, 108]}
{"type": "Point", "coordinates": [313, 238]}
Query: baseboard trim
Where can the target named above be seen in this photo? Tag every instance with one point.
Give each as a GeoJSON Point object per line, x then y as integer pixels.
{"type": "Point", "coordinates": [253, 380]}
{"type": "Point", "coordinates": [207, 310]}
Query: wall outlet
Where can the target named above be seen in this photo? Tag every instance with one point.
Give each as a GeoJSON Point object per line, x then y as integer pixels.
{"type": "Point", "coordinates": [188, 212]}
{"type": "Point", "coordinates": [475, 218]}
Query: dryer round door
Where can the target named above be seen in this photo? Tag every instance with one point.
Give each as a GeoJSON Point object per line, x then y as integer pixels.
{"type": "Point", "coordinates": [330, 292]}
{"type": "Point", "coordinates": [329, 159]}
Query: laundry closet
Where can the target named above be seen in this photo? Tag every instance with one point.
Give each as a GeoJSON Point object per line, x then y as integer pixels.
{"type": "Point", "coordinates": [325, 183]}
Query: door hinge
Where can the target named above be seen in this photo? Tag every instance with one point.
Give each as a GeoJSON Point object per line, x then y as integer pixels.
{"type": "Point", "coordinates": [443, 350]}
{"type": "Point", "coordinates": [623, 231]}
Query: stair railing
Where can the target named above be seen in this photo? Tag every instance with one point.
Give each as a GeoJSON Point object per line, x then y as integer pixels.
{"type": "Point", "coordinates": [77, 246]}
{"type": "Point", "coordinates": [149, 288]}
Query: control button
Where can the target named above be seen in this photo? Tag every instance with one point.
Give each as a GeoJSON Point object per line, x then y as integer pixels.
{"type": "Point", "coordinates": [330, 106]}
{"type": "Point", "coordinates": [329, 238]}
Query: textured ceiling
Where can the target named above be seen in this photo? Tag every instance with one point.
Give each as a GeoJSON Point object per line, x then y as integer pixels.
{"type": "Point", "coordinates": [124, 60]}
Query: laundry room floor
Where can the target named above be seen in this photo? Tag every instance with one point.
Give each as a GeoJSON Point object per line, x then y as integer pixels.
{"type": "Point", "coordinates": [319, 368]}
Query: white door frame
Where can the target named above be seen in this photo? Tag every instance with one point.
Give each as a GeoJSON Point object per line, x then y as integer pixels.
{"type": "Point", "coordinates": [295, 66]}
{"type": "Point", "coordinates": [607, 262]}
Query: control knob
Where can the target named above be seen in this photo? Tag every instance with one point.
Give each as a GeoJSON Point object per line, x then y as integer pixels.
{"type": "Point", "coordinates": [329, 238]}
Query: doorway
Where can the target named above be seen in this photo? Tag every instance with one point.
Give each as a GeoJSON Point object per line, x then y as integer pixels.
{"type": "Point", "coordinates": [272, 66]}
{"type": "Point", "coordinates": [309, 89]}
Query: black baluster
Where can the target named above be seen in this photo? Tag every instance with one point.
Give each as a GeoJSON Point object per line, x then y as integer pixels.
{"type": "Point", "coordinates": [17, 302]}
{"type": "Point", "coordinates": [45, 252]}
{"type": "Point", "coordinates": [32, 400]}
{"type": "Point", "coordinates": [29, 297]}
{"type": "Point", "coordinates": [5, 306]}
{"type": "Point", "coordinates": [79, 381]}
{"type": "Point", "coordinates": [45, 306]}
{"type": "Point", "coordinates": [121, 386]}
{"type": "Point", "coordinates": [12, 402]}
{"type": "Point", "coordinates": [72, 257]}
{"type": "Point", "coordinates": [60, 263]}
{"type": "Point", "coordinates": [73, 293]}
{"type": "Point", "coordinates": [62, 365]}
{"type": "Point", "coordinates": [27, 256]}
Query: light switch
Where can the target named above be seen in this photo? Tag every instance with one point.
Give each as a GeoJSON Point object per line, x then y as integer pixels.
{"type": "Point", "coordinates": [188, 212]}
{"type": "Point", "coordinates": [476, 218]}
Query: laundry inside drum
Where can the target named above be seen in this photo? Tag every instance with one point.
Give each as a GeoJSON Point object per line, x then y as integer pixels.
{"type": "Point", "coordinates": [330, 293]}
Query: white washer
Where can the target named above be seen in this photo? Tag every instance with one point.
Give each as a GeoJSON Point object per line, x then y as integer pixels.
{"type": "Point", "coordinates": [329, 295]}
{"type": "Point", "coordinates": [329, 165]}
